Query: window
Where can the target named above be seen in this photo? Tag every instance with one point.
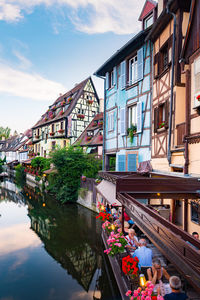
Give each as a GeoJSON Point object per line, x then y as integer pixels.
{"type": "Point", "coordinates": [111, 78]}
{"type": "Point", "coordinates": [52, 128]}
{"type": "Point", "coordinates": [53, 146]}
{"type": "Point", "coordinates": [195, 212]}
{"type": "Point", "coordinates": [57, 127]}
{"type": "Point", "coordinates": [61, 125]}
{"type": "Point", "coordinates": [164, 59]}
{"type": "Point", "coordinates": [161, 116]}
{"type": "Point", "coordinates": [148, 21]}
{"type": "Point", "coordinates": [110, 121]}
{"type": "Point", "coordinates": [64, 143]}
{"type": "Point", "coordinates": [111, 83]}
{"type": "Point", "coordinates": [133, 74]}
{"type": "Point", "coordinates": [197, 75]}
{"type": "Point", "coordinates": [132, 115]}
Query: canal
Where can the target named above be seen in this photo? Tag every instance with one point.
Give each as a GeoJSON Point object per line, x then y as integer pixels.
{"type": "Point", "coordinates": [50, 251]}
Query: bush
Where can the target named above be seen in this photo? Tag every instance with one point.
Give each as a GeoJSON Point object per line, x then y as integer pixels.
{"type": "Point", "coordinates": [41, 164]}
{"type": "Point", "coordinates": [20, 175]}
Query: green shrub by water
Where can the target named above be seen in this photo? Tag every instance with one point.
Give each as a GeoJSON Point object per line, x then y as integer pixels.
{"type": "Point", "coordinates": [20, 175]}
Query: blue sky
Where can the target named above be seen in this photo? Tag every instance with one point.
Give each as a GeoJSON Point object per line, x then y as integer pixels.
{"type": "Point", "coordinates": [47, 46]}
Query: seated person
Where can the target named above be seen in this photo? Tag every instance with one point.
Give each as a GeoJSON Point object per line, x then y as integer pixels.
{"type": "Point", "coordinates": [114, 212]}
{"type": "Point", "coordinates": [132, 240]}
{"type": "Point", "coordinates": [176, 294]}
{"type": "Point", "coordinates": [156, 274]}
{"type": "Point", "coordinates": [108, 210]}
{"type": "Point", "coordinates": [196, 236]}
{"type": "Point", "coordinates": [144, 254]}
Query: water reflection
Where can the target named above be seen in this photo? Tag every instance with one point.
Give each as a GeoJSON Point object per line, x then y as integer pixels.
{"type": "Point", "coordinates": [71, 265]}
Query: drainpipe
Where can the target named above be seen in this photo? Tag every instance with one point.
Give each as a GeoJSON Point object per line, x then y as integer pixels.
{"type": "Point", "coordinates": [104, 121]}
{"type": "Point", "coordinates": [172, 86]}
{"type": "Point", "coordinates": [187, 119]}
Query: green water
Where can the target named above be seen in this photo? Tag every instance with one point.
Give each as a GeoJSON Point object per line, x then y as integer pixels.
{"type": "Point", "coordinates": [49, 251]}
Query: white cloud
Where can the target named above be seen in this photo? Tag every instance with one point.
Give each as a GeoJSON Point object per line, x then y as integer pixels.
{"type": "Point", "coordinates": [28, 85]}
{"type": "Point", "coordinates": [24, 62]}
{"type": "Point", "coordinates": [90, 16]}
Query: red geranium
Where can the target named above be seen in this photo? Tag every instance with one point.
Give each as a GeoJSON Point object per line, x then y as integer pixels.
{"type": "Point", "coordinates": [103, 216]}
{"type": "Point", "coordinates": [130, 266]}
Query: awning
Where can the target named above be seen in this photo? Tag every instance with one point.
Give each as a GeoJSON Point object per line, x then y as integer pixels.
{"type": "Point", "coordinates": [108, 192]}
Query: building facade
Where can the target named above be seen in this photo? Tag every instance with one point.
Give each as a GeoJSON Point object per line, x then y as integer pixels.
{"type": "Point", "coordinates": [66, 118]}
{"type": "Point", "coordinates": [127, 104]}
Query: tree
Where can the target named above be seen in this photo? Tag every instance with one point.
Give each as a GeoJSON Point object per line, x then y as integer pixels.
{"type": "Point", "coordinates": [70, 164]}
{"type": "Point", "coordinates": [4, 132]}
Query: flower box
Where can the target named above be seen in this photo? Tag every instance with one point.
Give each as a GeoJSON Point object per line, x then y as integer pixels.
{"type": "Point", "coordinates": [54, 107]}
{"type": "Point", "coordinates": [94, 123]}
{"type": "Point", "coordinates": [61, 113]}
{"type": "Point", "coordinates": [69, 99]}
{"type": "Point", "coordinates": [52, 133]}
{"type": "Point", "coordinates": [46, 119]}
{"type": "Point", "coordinates": [37, 136]}
{"type": "Point", "coordinates": [61, 130]}
{"type": "Point", "coordinates": [80, 116]}
{"type": "Point", "coordinates": [161, 124]}
{"type": "Point", "coordinates": [90, 102]}
{"type": "Point", "coordinates": [63, 102]}
{"type": "Point", "coordinates": [198, 98]}
{"type": "Point", "coordinates": [83, 178]}
{"type": "Point", "coordinates": [100, 123]}
{"type": "Point", "coordinates": [100, 137]}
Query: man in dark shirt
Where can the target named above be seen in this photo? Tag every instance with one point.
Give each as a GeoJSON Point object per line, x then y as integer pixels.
{"type": "Point", "coordinates": [176, 294]}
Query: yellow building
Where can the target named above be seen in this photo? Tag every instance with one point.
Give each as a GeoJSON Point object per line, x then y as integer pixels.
{"type": "Point", "coordinates": [66, 118]}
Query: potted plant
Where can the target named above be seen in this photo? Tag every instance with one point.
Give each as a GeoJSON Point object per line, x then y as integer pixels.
{"type": "Point", "coordinates": [63, 102]}
{"type": "Point", "coordinates": [131, 131]}
{"type": "Point", "coordinates": [198, 97]}
{"type": "Point", "coordinates": [130, 266]}
{"type": "Point", "coordinates": [52, 133]}
{"type": "Point", "coordinates": [69, 99]}
{"type": "Point", "coordinates": [161, 124]}
{"type": "Point", "coordinates": [116, 243]}
{"type": "Point", "coordinates": [83, 178]}
{"type": "Point", "coordinates": [61, 130]}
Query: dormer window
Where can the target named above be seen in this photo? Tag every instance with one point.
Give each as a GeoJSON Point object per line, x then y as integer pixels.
{"type": "Point", "coordinates": [148, 21]}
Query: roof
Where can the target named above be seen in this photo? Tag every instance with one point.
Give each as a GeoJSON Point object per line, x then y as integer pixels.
{"type": "Point", "coordinates": [164, 18]}
{"type": "Point", "coordinates": [135, 43]}
{"type": "Point", "coordinates": [64, 103]}
{"type": "Point", "coordinates": [95, 126]}
{"type": "Point", "coordinates": [147, 8]}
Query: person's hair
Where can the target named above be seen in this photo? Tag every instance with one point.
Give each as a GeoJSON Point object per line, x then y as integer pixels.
{"type": "Point", "coordinates": [195, 233]}
{"type": "Point", "coordinates": [156, 261]}
{"type": "Point", "coordinates": [142, 242]}
{"type": "Point", "coordinates": [107, 206]}
{"type": "Point", "coordinates": [175, 282]}
{"type": "Point", "coordinates": [126, 224]}
{"type": "Point", "coordinates": [131, 231]}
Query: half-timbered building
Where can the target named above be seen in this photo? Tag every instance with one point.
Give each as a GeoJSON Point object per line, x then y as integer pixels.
{"type": "Point", "coordinates": [66, 118]}
{"type": "Point", "coordinates": [190, 60]}
{"type": "Point", "coordinates": [128, 99]}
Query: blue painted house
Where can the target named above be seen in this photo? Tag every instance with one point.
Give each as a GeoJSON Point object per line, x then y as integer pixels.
{"type": "Point", "coordinates": [128, 81]}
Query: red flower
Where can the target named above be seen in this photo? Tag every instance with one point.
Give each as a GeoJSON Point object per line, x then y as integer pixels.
{"type": "Point", "coordinates": [198, 97]}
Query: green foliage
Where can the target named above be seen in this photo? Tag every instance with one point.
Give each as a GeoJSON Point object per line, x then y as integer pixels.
{"type": "Point", "coordinates": [41, 164]}
{"type": "Point", "coordinates": [4, 132]}
{"type": "Point", "coordinates": [131, 131]}
{"type": "Point", "coordinates": [94, 165]}
{"type": "Point", "coordinates": [70, 163]}
{"type": "Point", "coordinates": [20, 175]}
{"type": "Point", "coordinates": [112, 163]}
{"type": "Point", "coordinates": [37, 178]}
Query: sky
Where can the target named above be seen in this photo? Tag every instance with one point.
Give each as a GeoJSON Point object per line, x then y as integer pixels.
{"type": "Point", "coordinates": [47, 46]}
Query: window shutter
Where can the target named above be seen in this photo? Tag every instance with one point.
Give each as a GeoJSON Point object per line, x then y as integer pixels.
{"type": "Point", "coordinates": [107, 81]}
{"type": "Point", "coordinates": [115, 75]}
{"type": "Point", "coordinates": [156, 64]}
{"type": "Point", "coordinates": [139, 117]}
{"type": "Point", "coordinates": [166, 113]}
{"type": "Point", "coordinates": [123, 74]}
{"type": "Point", "coordinates": [140, 61]}
{"type": "Point", "coordinates": [155, 119]}
{"type": "Point", "coordinates": [122, 121]}
{"type": "Point", "coordinates": [132, 162]}
{"type": "Point", "coordinates": [121, 163]}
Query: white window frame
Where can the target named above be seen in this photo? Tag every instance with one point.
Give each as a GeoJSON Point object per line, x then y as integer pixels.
{"type": "Point", "coordinates": [133, 70]}
{"type": "Point", "coordinates": [111, 79]}
{"type": "Point", "coordinates": [146, 21]}
{"type": "Point", "coordinates": [132, 118]}
{"type": "Point", "coordinates": [111, 121]}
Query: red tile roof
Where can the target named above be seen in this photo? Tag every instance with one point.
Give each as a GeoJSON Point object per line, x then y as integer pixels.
{"type": "Point", "coordinates": [74, 93]}
{"type": "Point", "coordinates": [147, 8]}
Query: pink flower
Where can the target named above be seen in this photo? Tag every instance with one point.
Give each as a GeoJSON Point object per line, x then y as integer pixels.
{"type": "Point", "coordinates": [132, 298]}
{"type": "Point", "coordinates": [128, 293]}
{"type": "Point", "coordinates": [135, 293]}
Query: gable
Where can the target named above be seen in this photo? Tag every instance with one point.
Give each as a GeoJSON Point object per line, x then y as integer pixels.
{"type": "Point", "coordinates": [148, 7]}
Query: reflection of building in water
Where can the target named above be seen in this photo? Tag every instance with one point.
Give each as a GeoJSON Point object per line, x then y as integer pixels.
{"type": "Point", "coordinates": [41, 226]}
{"type": "Point", "coordinates": [13, 195]}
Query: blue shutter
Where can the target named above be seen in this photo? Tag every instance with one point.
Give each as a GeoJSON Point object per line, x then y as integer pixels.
{"type": "Point", "coordinates": [140, 63]}
{"type": "Point", "coordinates": [107, 81]}
{"type": "Point", "coordinates": [139, 117]}
{"type": "Point", "coordinates": [115, 75]}
{"type": "Point", "coordinates": [122, 121]}
{"type": "Point", "coordinates": [123, 74]}
{"type": "Point", "coordinates": [132, 162]}
{"type": "Point", "coordinates": [121, 163]}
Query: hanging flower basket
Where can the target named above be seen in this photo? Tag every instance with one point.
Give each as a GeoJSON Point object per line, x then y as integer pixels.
{"type": "Point", "coordinates": [90, 102]}
{"type": "Point", "coordinates": [52, 133]}
{"type": "Point", "coordinates": [80, 116]}
{"type": "Point", "coordinates": [61, 130]}
{"type": "Point", "coordinates": [61, 112]}
{"type": "Point", "coordinates": [198, 97]}
{"type": "Point", "coordinates": [69, 100]}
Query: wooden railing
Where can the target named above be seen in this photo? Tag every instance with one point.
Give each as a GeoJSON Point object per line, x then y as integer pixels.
{"type": "Point", "coordinates": [180, 133]}
{"type": "Point", "coordinates": [168, 238]}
